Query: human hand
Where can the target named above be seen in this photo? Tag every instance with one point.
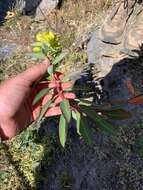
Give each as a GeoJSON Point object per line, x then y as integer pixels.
{"type": "Point", "coordinates": [16, 96]}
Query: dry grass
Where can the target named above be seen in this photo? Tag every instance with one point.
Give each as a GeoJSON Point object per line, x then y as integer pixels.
{"type": "Point", "coordinates": [17, 30]}
{"type": "Point", "coordinates": [71, 21]}
{"type": "Point", "coordinates": [75, 19]}
{"type": "Point", "coordinates": [74, 22]}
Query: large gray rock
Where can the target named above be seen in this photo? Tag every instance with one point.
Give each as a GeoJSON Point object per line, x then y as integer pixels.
{"type": "Point", "coordinates": [39, 8]}
{"type": "Point", "coordinates": [44, 8]}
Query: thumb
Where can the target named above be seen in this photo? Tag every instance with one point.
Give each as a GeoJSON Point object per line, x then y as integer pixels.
{"type": "Point", "coordinates": [34, 73]}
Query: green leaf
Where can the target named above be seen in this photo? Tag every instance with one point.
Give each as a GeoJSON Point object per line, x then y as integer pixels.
{"type": "Point", "coordinates": [81, 88]}
{"type": "Point", "coordinates": [63, 129]}
{"type": "Point", "coordinates": [85, 102]}
{"type": "Point", "coordinates": [84, 130]}
{"type": "Point", "coordinates": [40, 95]}
{"type": "Point", "coordinates": [46, 49]}
{"type": "Point", "coordinates": [77, 117]}
{"type": "Point", "coordinates": [118, 114]}
{"type": "Point", "coordinates": [66, 110]}
{"type": "Point", "coordinates": [37, 56]}
{"type": "Point", "coordinates": [74, 115]}
{"type": "Point", "coordinates": [59, 58]}
{"type": "Point", "coordinates": [50, 69]}
{"type": "Point", "coordinates": [44, 110]}
{"type": "Point", "coordinates": [102, 123]}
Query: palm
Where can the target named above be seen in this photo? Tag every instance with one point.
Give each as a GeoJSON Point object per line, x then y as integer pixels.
{"type": "Point", "coordinates": [15, 109]}
{"type": "Point", "coordinates": [16, 97]}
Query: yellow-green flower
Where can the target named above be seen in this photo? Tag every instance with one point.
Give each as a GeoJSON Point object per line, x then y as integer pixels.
{"type": "Point", "coordinates": [45, 36]}
{"type": "Point", "coordinates": [48, 38]}
{"type": "Point", "coordinates": [37, 49]}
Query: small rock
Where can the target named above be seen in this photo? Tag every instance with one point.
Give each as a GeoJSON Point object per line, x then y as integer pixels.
{"type": "Point", "coordinates": [7, 51]}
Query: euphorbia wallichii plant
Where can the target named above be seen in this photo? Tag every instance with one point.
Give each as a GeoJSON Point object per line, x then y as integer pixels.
{"type": "Point", "coordinates": [56, 96]}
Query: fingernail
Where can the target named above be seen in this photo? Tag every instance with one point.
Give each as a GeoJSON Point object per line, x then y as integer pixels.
{"type": "Point", "coordinates": [46, 62]}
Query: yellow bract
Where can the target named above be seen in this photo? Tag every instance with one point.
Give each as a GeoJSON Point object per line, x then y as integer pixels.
{"type": "Point", "coordinates": [48, 38]}
{"type": "Point", "coordinates": [36, 49]}
{"type": "Point", "coordinates": [45, 36]}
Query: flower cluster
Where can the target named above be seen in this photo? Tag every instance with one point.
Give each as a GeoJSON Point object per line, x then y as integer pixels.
{"type": "Point", "coordinates": [47, 43]}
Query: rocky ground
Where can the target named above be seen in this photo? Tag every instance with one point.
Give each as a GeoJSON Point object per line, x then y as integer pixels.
{"type": "Point", "coordinates": [36, 161]}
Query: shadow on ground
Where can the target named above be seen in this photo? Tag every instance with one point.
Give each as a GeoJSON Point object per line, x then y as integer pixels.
{"type": "Point", "coordinates": [112, 162]}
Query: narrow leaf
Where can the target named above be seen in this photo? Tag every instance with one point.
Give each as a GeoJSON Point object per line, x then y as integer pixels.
{"type": "Point", "coordinates": [81, 88]}
{"type": "Point", "coordinates": [74, 115]}
{"type": "Point", "coordinates": [118, 114]}
{"type": "Point", "coordinates": [77, 117]}
{"type": "Point", "coordinates": [66, 110]}
{"type": "Point", "coordinates": [136, 100]}
{"type": "Point", "coordinates": [59, 58]}
{"type": "Point", "coordinates": [63, 128]}
{"type": "Point", "coordinates": [50, 69]}
{"type": "Point", "coordinates": [44, 110]}
{"type": "Point", "coordinates": [40, 95]}
{"type": "Point", "coordinates": [85, 102]}
{"type": "Point", "coordinates": [37, 56]}
{"type": "Point", "coordinates": [84, 130]}
{"type": "Point", "coordinates": [102, 123]}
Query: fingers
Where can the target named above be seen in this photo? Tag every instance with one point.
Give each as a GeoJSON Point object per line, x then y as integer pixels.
{"type": "Point", "coordinates": [34, 73]}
